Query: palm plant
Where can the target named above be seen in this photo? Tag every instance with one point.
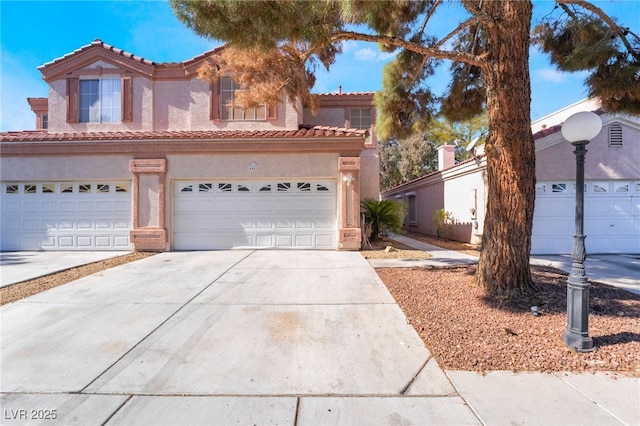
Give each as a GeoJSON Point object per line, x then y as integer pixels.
{"type": "Point", "coordinates": [382, 215]}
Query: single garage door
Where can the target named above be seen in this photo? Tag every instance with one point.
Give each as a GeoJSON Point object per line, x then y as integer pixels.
{"type": "Point", "coordinates": [66, 215]}
{"type": "Point", "coordinates": [223, 214]}
{"type": "Point", "coordinates": [611, 217]}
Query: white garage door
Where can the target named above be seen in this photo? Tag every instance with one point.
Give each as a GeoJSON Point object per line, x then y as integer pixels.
{"type": "Point", "coordinates": [611, 217]}
{"type": "Point", "coordinates": [66, 215]}
{"type": "Point", "coordinates": [249, 214]}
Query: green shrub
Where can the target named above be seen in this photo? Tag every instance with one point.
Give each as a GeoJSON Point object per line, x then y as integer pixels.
{"type": "Point", "coordinates": [382, 215]}
{"type": "Point", "coordinates": [443, 221]}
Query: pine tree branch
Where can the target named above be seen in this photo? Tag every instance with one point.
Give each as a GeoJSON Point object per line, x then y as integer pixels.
{"type": "Point", "coordinates": [477, 60]}
{"type": "Point", "coordinates": [619, 31]}
{"type": "Point", "coordinates": [476, 10]}
{"type": "Point", "coordinates": [459, 28]}
{"type": "Point", "coordinates": [429, 15]}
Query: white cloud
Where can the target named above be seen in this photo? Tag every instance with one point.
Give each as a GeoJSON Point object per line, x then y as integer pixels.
{"type": "Point", "coordinates": [367, 55]}
{"type": "Point", "coordinates": [372, 55]}
{"type": "Point", "coordinates": [550, 75]}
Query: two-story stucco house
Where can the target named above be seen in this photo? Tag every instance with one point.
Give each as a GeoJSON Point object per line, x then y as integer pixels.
{"type": "Point", "coordinates": [133, 154]}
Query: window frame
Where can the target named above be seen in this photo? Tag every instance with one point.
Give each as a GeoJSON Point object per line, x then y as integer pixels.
{"type": "Point", "coordinates": [108, 90]}
{"type": "Point", "coordinates": [356, 118]}
{"type": "Point", "coordinates": [232, 113]}
{"type": "Point", "coordinates": [125, 101]}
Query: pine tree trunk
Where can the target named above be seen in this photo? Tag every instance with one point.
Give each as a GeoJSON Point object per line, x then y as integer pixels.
{"type": "Point", "coordinates": [506, 243]}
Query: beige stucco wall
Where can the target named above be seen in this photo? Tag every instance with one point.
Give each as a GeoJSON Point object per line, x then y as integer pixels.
{"type": "Point", "coordinates": [148, 201]}
{"type": "Point", "coordinates": [142, 110]}
{"type": "Point", "coordinates": [602, 162]}
{"type": "Point", "coordinates": [165, 105]}
{"type": "Point", "coordinates": [51, 168]}
{"type": "Point", "coordinates": [369, 174]}
{"type": "Point", "coordinates": [236, 166]}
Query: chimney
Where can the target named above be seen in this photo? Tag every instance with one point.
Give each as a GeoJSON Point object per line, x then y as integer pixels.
{"type": "Point", "coordinates": [340, 90]}
{"type": "Point", "coordinates": [446, 156]}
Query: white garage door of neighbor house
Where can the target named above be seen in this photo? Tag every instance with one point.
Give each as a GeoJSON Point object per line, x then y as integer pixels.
{"type": "Point", "coordinates": [66, 216]}
{"type": "Point", "coordinates": [611, 217]}
{"type": "Point", "coordinates": [223, 214]}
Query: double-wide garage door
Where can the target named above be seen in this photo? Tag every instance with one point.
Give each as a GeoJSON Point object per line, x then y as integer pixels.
{"type": "Point", "coordinates": [65, 216]}
{"type": "Point", "coordinates": [222, 214]}
{"type": "Point", "coordinates": [611, 217]}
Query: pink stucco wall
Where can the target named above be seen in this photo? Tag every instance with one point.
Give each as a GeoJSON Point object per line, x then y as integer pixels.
{"type": "Point", "coordinates": [557, 161]}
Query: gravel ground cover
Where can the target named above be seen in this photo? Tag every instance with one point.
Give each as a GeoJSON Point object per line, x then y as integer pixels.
{"type": "Point", "coordinates": [467, 330]}
{"type": "Point", "coordinates": [386, 248]}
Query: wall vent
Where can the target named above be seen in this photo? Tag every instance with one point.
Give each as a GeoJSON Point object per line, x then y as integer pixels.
{"type": "Point", "coordinates": [615, 135]}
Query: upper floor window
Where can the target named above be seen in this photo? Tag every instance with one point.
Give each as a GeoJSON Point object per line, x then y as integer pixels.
{"type": "Point", "coordinates": [229, 111]}
{"type": "Point", "coordinates": [100, 100]}
{"type": "Point", "coordinates": [361, 118]}
{"type": "Point", "coordinates": [45, 121]}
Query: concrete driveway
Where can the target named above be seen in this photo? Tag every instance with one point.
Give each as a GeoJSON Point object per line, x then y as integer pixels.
{"type": "Point", "coordinates": [618, 270]}
{"type": "Point", "coordinates": [16, 266]}
{"type": "Point", "coordinates": [213, 337]}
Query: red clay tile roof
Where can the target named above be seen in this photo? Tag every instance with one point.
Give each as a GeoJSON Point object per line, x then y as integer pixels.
{"type": "Point", "coordinates": [346, 94]}
{"type": "Point", "coordinates": [98, 42]}
{"type": "Point", "coordinates": [313, 132]}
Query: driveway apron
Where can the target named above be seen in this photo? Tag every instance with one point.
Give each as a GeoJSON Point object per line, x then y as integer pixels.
{"type": "Point", "coordinates": [268, 327]}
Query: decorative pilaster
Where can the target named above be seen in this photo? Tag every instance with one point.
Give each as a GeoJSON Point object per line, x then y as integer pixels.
{"type": "Point", "coordinates": [149, 232]}
{"type": "Point", "coordinates": [350, 237]}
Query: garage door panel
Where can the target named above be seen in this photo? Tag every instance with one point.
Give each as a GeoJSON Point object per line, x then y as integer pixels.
{"type": "Point", "coordinates": [103, 206]}
{"type": "Point", "coordinates": [264, 241]}
{"type": "Point", "coordinates": [10, 224]}
{"type": "Point", "coordinates": [48, 206]}
{"type": "Point", "coordinates": [67, 206]}
{"type": "Point", "coordinates": [48, 242]}
{"type": "Point", "coordinates": [30, 207]}
{"type": "Point", "coordinates": [123, 206]}
{"type": "Point", "coordinates": [86, 242]}
{"type": "Point", "coordinates": [324, 224]}
{"type": "Point", "coordinates": [284, 224]}
{"type": "Point", "coordinates": [285, 205]}
{"type": "Point", "coordinates": [263, 224]}
{"type": "Point", "coordinates": [304, 240]}
{"type": "Point", "coordinates": [264, 205]}
{"type": "Point", "coordinates": [103, 242]}
{"type": "Point", "coordinates": [66, 241]}
{"type": "Point", "coordinates": [50, 216]}
{"type": "Point", "coordinates": [260, 214]}
{"type": "Point", "coordinates": [245, 206]}
{"type": "Point", "coordinates": [611, 219]}
{"type": "Point", "coordinates": [284, 240]}
{"type": "Point", "coordinates": [598, 207]}
{"type": "Point", "coordinates": [305, 223]}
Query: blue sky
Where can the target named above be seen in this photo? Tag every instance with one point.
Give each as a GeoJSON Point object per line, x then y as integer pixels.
{"type": "Point", "coordinates": [33, 33]}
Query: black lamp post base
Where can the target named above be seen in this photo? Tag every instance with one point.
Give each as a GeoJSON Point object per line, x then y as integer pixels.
{"type": "Point", "coordinates": [578, 342]}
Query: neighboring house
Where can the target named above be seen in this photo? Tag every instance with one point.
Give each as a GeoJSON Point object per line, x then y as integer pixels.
{"type": "Point", "coordinates": [133, 154]}
{"type": "Point", "coordinates": [612, 188]}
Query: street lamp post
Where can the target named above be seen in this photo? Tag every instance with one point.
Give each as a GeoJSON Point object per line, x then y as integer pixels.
{"type": "Point", "coordinates": [579, 129]}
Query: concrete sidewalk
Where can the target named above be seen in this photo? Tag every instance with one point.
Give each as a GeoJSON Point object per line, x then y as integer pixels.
{"type": "Point", "coordinates": [258, 337]}
{"type": "Point", "coordinates": [622, 271]}
{"type": "Point", "coordinates": [439, 256]}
